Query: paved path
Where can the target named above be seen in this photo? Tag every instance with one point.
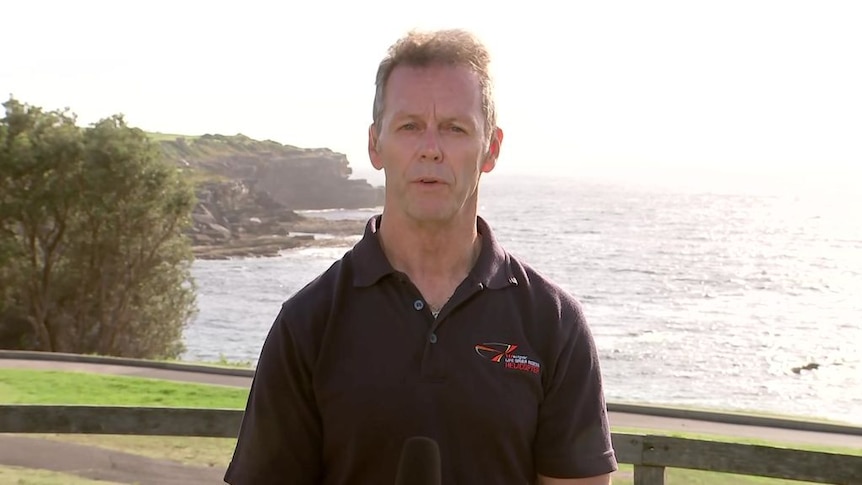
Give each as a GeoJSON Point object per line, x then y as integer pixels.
{"type": "Point", "coordinates": [127, 468]}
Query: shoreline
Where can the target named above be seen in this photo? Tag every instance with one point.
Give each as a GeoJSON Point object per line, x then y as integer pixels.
{"type": "Point", "coordinates": [268, 246]}
{"type": "Point", "coordinates": [307, 232]}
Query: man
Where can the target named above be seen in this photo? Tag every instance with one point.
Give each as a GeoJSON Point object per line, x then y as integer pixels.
{"type": "Point", "coordinates": [427, 327]}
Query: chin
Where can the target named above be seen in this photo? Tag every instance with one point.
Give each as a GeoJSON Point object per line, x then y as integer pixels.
{"type": "Point", "coordinates": [431, 218]}
{"type": "Point", "coordinates": [434, 215]}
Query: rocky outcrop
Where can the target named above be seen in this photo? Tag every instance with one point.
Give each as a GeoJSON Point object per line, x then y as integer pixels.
{"type": "Point", "coordinates": [232, 219]}
{"type": "Point", "coordinates": [296, 178]}
{"type": "Point", "coordinates": [232, 208]}
{"type": "Point", "coordinates": [249, 191]}
{"type": "Point", "coordinates": [317, 179]}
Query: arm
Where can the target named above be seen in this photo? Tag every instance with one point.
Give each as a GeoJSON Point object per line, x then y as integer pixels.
{"type": "Point", "coordinates": [599, 480]}
{"type": "Point", "coordinates": [280, 437]}
{"type": "Point", "coordinates": [573, 439]}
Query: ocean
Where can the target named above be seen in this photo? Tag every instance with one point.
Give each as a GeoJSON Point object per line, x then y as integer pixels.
{"type": "Point", "coordinates": [718, 298]}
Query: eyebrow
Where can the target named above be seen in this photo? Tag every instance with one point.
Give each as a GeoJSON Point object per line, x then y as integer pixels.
{"type": "Point", "coordinates": [469, 120]}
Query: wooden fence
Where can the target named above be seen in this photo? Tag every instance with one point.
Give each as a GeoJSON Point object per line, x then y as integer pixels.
{"type": "Point", "coordinates": [650, 455]}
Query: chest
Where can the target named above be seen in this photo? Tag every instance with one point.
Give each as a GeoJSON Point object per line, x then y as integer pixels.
{"type": "Point", "coordinates": [479, 343]}
{"type": "Point", "coordinates": [471, 377]}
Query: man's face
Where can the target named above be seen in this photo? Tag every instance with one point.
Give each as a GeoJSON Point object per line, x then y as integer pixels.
{"type": "Point", "coordinates": [432, 142]}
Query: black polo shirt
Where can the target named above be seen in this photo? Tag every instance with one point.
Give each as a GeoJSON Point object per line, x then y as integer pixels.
{"type": "Point", "coordinates": [506, 379]}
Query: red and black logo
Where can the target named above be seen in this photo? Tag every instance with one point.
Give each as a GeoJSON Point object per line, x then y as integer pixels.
{"type": "Point", "coordinates": [495, 352]}
{"type": "Point", "coordinates": [505, 353]}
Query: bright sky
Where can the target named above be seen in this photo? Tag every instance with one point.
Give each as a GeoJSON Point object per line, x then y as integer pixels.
{"type": "Point", "coordinates": [593, 87]}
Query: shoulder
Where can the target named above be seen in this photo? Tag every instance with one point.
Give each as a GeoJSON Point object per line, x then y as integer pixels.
{"type": "Point", "coordinates": [551, 303]}
{"type": "Point", "coordinates": [312, 304]}
{"type": "Point", "coordinates": [553, 322]}
{"type": "Point", "coordinates": [553, 318]}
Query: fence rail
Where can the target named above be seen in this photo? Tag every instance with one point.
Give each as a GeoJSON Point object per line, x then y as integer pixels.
{"type": "Point", "coordinates": [649, 454]}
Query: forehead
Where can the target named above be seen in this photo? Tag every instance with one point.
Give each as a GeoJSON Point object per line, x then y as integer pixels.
{"type": "Point", "coordinates": [450, 90]}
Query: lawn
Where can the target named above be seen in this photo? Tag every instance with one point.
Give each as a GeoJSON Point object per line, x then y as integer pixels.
{"type": "Point", "coordinates": [53, 387]}
{"type": "Point", "coordinates": [24, 386]}
{"type": "Point", "coordinates": [676, 476]}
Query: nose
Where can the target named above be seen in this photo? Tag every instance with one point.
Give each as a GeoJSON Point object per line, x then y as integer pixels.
{"type": "Point", "coordinates": [430, 149]}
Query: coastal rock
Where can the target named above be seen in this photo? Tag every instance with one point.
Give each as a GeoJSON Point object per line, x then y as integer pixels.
{"type": "Point", "coordinates": [808, 366]}
{"type": "Point", "coordinates": [248, 193]}
{"type": "Point", "coordinates": [296, 178]}
{"type": "Point", "coordinates": [233, 219]}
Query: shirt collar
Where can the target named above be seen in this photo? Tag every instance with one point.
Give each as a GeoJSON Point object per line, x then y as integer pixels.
{"type": "Point", "coordinates": [492, 268]}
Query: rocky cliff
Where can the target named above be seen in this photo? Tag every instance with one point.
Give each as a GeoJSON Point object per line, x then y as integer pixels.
{"type": "Point", "coordinates": [248, 192]}
{"type": "Point", "coordinates": [297, 178]}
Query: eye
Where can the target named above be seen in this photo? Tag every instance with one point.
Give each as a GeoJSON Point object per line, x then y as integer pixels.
{"type": "Point", "coordinates": [408, 126]}
{"type": "Point", "coordinates": [457, 129]}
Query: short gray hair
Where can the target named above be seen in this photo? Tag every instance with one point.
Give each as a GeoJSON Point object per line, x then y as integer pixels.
{"type": "Point", "coordinates": [454, 47]}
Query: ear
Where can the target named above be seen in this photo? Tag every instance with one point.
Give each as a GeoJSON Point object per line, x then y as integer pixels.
{"type": "Point", "coordinates": [373, 154]}
{"type": "Point", "coordinates": [493, 151]}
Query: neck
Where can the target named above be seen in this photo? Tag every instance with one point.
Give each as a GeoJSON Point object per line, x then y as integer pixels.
{"type": "Point", "coordinates": [431, 252]}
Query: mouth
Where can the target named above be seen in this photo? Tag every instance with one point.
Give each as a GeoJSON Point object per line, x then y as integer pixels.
{"type": "Point", "coordinates": [428, 181]}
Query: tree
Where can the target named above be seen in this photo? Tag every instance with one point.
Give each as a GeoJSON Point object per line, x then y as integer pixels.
{"type": "Point", "coordinates": [92, 249]}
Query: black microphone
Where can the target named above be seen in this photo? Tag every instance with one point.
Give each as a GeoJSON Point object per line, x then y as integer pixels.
{"type": "Point", "coordinates": [420, 463]}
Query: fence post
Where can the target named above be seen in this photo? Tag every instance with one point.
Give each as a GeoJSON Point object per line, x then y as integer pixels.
{"type": "Point", "coordinates": [648, 475]}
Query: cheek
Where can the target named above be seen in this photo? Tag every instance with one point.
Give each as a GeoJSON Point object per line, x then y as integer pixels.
{"type": "Point", "coordinates": [397, 152]}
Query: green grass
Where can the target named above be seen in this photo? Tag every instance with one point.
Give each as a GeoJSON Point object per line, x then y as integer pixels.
{"type": "Point", "coordinates": [681, 476]}
{"type": "Point", "coordinates": [221, 362]}
{"type": "Point", "coordinates": [54, 387]}
{"type": "Point", "coordinates": [216, 452]}
{"type": "Point", "coordinates": [23, 386]}
{"type": "Point", "coordinates": [155, 136]}
{"type": "Point", "coordinates": [27, 476]}
{"type": "Point", "coordinates": [678, 476]}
